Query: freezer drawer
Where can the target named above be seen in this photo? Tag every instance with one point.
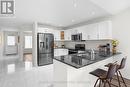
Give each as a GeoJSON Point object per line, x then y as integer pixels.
{"type": "Point", "coordinates": [45, 59]}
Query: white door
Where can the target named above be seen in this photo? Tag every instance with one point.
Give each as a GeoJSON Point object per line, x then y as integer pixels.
{"type": "Point", "coordinates": [10, 43]}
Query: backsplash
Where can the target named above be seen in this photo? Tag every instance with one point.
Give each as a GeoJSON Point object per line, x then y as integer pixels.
{"type": "Point", "coordinates": [92, 44]}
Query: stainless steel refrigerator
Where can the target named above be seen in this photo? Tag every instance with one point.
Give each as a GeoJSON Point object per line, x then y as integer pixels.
{"type": "Point", "coordinates": [45, 42]}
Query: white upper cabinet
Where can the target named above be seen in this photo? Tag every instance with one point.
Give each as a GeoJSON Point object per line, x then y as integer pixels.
{"type": "Point", "coordinates": [67, 34]}
{"type": "Point", "coordinates": [105, 30]}
{"type": "Point", "coordinates": [55, 32]}
{"type": "Point", "coordinates": [56, 35]}
{"type": "Point", "coordinates": [96, 31]}
{"type": "Point", "coordinates": [92, 32]}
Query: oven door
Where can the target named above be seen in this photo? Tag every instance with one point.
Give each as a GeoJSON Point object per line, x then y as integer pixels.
{"type": "Point", "coordinates": [72, 51]}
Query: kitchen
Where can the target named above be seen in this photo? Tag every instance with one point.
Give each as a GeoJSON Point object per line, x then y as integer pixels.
{"type": "Point", "coordinates": [77, 53]}
{"type": "Point", "coordinates": [66, 46]}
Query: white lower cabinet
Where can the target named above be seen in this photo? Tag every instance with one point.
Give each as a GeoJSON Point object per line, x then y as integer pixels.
{"type": "Point", "coordinates": [60, 52]}
{"type": "Point", "coordinates": [68, 76]}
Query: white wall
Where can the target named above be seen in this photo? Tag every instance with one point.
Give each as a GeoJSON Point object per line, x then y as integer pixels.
{"type": "Point", "coordinates": [121, 32]}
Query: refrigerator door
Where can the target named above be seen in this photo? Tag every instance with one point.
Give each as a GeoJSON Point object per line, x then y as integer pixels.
{"type": "Point", "coordinates": [49, 41]}
{"type": "Point", "coordinates": [45, 59]}
{"type": "Point", "coordinates": [45, 49]}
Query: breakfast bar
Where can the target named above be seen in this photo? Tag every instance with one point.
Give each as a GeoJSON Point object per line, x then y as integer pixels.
{"type": "Point", "coordinates": [73, 70]}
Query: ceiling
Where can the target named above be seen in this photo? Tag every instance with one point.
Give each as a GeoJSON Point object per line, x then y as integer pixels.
{"type": "Point", "coordinates": [62, 13]}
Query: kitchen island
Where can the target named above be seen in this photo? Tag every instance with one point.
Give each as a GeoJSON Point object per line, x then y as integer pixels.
{"type": "Point", "coordinates": [73, 70]}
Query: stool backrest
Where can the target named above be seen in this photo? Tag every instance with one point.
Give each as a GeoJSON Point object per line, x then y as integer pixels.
{"type": "Point", "coordinates": [111, 71]}
{"type": "Point", "coordinates": [122, 64]}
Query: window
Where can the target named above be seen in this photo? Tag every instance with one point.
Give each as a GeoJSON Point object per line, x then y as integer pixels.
{"type": "Point", "coordinates": [11, 40]}
{"type": "Point", "coordinates": [28, 41]}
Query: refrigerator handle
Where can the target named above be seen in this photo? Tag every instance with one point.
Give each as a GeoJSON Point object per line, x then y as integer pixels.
{"type": "Point", "coordinates": [42, 44]}
{"type": "Point", "coordinates": [46, 43]}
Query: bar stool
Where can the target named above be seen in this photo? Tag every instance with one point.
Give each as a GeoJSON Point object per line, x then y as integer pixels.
{"type": "Point", "coordinates": [119, 67]}
{"type": "Point", "coordinates": [105, 76]}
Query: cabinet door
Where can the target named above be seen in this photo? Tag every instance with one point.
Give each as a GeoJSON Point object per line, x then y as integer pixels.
{"type": "Point", "coordinates": [92, 32]}
{"type": "Point", "coordinates": [105, 30]}
{"type": "Point", "coordinates": [56, 34]}
{"type": "Point", "coordinates": [67, 34]}
{"type": "Point", "coordinates": [83, 30]}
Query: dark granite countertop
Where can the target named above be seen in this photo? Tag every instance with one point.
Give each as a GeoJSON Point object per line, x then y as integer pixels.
{"type": "Point", "coordinates": [81, 60]}
{"type": "Point", "coordinates": [60, 48]}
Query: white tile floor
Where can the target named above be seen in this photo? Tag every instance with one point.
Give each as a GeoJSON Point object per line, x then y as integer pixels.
{"type": "Point", "coordinates": [16, 73]}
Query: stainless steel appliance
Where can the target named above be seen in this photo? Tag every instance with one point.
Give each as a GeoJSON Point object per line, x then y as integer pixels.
{"type": "Point", "coordinates": [104, 50]}
{"type": "Point", "coordinates": [76, 37]}
{"type": "Point", "coordinates": [45, 51]}
{"type": "Point", "coordinates": [78, 47]}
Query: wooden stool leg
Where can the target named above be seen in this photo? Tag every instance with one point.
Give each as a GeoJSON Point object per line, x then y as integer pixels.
{"type": "Point", "coordinates": [122, 79]}
{"type": "Point", "coordinates": [96, 82]}
{"type": "Point", "coordinates": [118, 79]}
{"type": "Point", "coordinates": [104, 83]}
{"type": "Point", "coordinates": [100, 83]}
{"type": "Point", "coordinates": [108, 83]}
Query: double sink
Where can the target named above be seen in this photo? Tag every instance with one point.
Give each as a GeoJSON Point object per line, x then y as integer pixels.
{"type": "Point", "coordinates": [88, 55]}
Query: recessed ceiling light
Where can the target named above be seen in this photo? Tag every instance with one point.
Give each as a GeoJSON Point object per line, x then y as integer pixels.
{"type": "Point", "coordinates": [47, 22]}
{"type": "Point", "coordinates": [75, 5]}
{"type": "Point", "coordinates": [60, 25]}
{"type": "Point", "coordinates": [93, 13]}
{"type": "Point", "coordinates": [73, 20]}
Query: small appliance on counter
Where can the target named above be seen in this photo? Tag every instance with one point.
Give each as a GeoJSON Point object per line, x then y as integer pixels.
{"type": "Point", "coordinates": [104, 50]}
{"type": "Point", "coordinates": [62, 46]}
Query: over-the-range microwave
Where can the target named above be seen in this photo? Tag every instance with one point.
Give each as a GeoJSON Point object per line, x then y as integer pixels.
{"type": "Point", "coordinates": [76, 37]}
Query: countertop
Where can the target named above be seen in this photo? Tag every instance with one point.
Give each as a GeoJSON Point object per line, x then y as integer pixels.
{"type": "Point", "coordinates": [60, 48]}
{"type": "Point", "coordinates": [81, 60]}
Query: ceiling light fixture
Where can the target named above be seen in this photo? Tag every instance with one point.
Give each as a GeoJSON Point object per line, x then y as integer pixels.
{"type": "Point", "coordinates": [73, 20]}
{"type": "Point", "coordinates": [93, 13]}
{"type": "Point", "coordinates": [75, 4]}
{"type": "Point", "coordinates": [60, 25]}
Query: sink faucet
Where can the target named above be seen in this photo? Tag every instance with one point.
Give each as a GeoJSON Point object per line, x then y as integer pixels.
{"type": "Point", "coordinates": [92, 54]}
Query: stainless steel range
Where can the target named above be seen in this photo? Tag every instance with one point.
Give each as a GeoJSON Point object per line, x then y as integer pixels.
{"type": "Point", "coordinates": [78, 47]}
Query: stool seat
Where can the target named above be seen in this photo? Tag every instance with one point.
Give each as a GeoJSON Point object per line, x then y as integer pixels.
{"type": "Point", "coordinates": [99, 73]}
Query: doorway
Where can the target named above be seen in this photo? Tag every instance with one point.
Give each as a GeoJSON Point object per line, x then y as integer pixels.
{"type": "Point", "coordinates": [27, 46]}
{"type": "Point", "coordinates": [11, 43]}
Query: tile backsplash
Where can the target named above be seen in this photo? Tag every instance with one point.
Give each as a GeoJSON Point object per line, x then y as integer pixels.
{"type": "Point", "coordinates": [92, 44]}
